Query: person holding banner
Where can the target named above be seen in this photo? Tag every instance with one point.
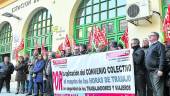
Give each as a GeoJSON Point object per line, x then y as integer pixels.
{"type": "Point", "coordinates": [119, 46]}
{"type": "Point", "coordinates": [76, 51]}
{"type": "Point", "coordinates": [155, 64]}
{"type": "Point", "coordinates": [139, 67]}
{"type": "Point", "coordinates": [68, 52]}
{"type": "Point", "coordinates": [83, 49]}
{"type": "Point", "coordinates": [113, 46]}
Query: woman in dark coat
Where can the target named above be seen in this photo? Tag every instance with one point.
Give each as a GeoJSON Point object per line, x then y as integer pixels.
{"type": "Point", "coordinates": [20, 75]}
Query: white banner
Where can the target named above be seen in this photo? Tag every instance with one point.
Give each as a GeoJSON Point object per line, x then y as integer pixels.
{"type": "Point", "coordinates": [99, 74]}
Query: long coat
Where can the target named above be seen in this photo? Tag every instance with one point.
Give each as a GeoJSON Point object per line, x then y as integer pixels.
{"type": "Point", "coordinates": [38, 70]}
{"type": "Point", "coordinates": [21, 74]}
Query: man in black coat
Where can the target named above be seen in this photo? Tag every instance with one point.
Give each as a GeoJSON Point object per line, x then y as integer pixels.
{"type": "Point", "coordinates": [139, 67]}
{"type": "Point", "coordinates": [6, 69]}
{"type": "Point", "coordinates": [167, 73]}
{"type": "Point", "coordinates": [155, 64]}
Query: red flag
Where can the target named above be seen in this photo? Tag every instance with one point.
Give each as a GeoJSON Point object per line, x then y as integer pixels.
{"type": "Point", "coordinates": [61, 47]}
{"type": "Point", "coordinates": [104, 31]}
{"type": "Point", "coordinates": [43, 50]}
{"type": "Point", "coordinates": [90, 38]}
{"type": "Point", "coordinates": [21, 45]}
{"type": "Point", "coordinates": [100, 37]}
{"type": "Point", "coordinates": [166, 24]}
{"type": "Point", "coordinates": [36, 49]}
{"type": "Point", "coordinates": [19, 48]}
{"type": "Point", "coordinates": [16, 54]}
{"type": "Point", "coordinates": [103, 37]}
{"type": "Point", "coordinates": [95, 36]}
{"type": "Point", "coordinates": [67, 41]}
{"type": "Point", "coordinates": [125, 38]}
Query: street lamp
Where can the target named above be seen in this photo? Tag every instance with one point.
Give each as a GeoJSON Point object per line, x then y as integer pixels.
{"type": "Point", "coordinates": [7, 14]}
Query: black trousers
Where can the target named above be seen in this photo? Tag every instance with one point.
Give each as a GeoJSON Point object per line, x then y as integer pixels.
{"type": "Point", "coordinates": [140, 85]}
{"type": "Point", "coordinates": [7, 83]}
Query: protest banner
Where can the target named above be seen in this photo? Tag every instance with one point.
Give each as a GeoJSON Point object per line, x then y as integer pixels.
{"type": "Point", "coordinates": [99, 74]}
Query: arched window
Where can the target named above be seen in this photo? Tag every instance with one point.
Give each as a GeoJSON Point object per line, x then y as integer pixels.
{"type": "Point", "coordinates": [39, 31]}
{"type": "Point", "coordinates": [5, 40]}
{"type": "Point", "coordinates": [108, 13]}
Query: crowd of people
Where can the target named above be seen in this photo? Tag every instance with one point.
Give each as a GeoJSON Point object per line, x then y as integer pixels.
{"type": "Point", "coordinates": [151, 65]}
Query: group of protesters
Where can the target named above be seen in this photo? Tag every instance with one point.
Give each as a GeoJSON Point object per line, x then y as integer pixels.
{"type": "Point", "coordinates": [151, 65]}
{"type": "Point", "coordinates": [34, 73]}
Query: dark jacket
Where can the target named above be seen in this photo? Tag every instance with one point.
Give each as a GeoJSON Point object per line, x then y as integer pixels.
{"type": "Point", "coordinates": [10, 70]}
{"type": "Point", "coordinates": [3, 70]}
{"type": "Point", "coordinates": [155, 57]}
{"type": "Point", "coordinates": [38, 70]}
{"type": "Point", "coordinates": [26, 61]}
{"type": "Point", "coordinates": [138, 59]}
{"type": "Point", "coordinates": [21, 74]}
{"type": "Point", "coordinates": [167, 60]}
{"type": "Point", "coordinates": [6, 70]}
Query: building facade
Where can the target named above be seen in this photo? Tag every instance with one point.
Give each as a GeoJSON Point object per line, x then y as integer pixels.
{"type": "Point", "coordinates": [48, 21]}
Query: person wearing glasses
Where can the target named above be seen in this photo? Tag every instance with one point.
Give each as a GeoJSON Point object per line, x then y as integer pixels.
{"type": "Point", "coordinates": [155, 64]}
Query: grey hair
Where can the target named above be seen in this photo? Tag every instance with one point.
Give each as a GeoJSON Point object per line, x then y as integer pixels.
{"type": "Point", "coordinates": [156, 33]}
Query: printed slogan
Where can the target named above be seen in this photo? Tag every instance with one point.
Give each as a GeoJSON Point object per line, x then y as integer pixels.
{"type": "Point", "coordinates": [100, 74]}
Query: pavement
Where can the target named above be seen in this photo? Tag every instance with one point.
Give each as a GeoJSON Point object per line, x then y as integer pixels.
{"type": "Point", "coordinates": [13, 90]}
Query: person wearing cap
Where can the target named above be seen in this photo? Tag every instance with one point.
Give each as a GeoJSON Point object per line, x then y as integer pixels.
{"type": "Point", "coordinates": [38, 76]}
{"type": "Point", "coordinates": [155, 64]}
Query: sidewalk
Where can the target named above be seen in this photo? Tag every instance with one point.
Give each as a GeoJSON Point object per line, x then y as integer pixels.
{"type": "Point", "coordinates": [13, 90]}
